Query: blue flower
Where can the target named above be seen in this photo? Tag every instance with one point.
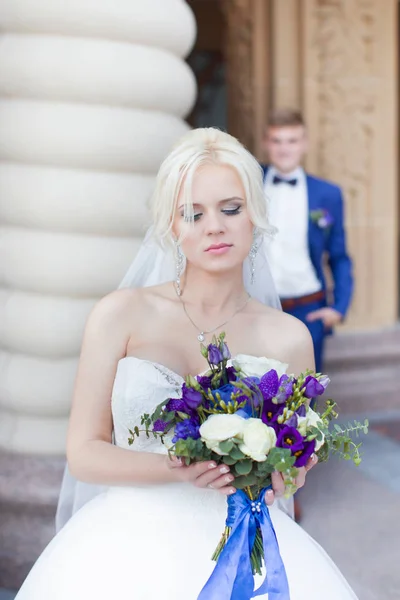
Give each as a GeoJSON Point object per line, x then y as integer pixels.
{"type": "Point", "coordinates": [189, 428]}
{"type": "Point", "coordinates": [214, 355]}
{"type": "Point", "coordinates": [225, 392]}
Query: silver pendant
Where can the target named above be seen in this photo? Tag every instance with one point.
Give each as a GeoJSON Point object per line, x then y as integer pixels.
{"type": "Point", "coordinates": [201, 337]}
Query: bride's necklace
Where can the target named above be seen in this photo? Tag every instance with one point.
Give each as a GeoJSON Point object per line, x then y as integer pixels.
{"type": "Point", "coordinates": [201, 336]}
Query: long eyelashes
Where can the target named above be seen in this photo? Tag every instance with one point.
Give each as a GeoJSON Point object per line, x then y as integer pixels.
{"type": "Point", "coordinates": [226, 211]}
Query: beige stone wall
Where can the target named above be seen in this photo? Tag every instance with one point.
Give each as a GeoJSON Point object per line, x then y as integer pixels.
{"type": "Point", "coordinates": [337, 61]}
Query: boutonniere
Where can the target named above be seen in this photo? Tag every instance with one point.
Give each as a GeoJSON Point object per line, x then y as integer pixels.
{"type": "Point", "coordinates": [322, 218]}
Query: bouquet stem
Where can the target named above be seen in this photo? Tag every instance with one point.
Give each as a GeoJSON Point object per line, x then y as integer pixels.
{"type": "Point", "coordinates": [257, 552]}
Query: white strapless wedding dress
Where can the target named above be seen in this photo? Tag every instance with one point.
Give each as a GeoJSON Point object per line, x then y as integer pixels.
{"type": "Point", "coordinates": [155, 542]}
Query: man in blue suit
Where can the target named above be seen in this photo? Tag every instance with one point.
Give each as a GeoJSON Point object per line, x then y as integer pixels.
{"type": "Point", "coordinates": [308, 213]}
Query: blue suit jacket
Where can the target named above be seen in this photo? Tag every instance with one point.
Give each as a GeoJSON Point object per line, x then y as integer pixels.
{"type": "Point", "coordinates": [331, 241]}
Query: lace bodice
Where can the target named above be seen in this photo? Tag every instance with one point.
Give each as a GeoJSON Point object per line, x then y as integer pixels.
{"type": "Point", "coordinates": [139, 386]}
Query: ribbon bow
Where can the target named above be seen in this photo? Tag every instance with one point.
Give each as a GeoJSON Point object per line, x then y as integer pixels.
{"type": "Point", "coordinates": [232, 577]}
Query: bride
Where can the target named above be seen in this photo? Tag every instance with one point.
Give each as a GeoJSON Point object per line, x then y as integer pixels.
{"type": "Point", "coordinates": [151, 534]}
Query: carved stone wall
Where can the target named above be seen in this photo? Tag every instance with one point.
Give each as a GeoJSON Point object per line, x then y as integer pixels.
{"type": "Point", "coordinates": [350, 104]}
{"type": "Point", "coordinates": [337, 61]}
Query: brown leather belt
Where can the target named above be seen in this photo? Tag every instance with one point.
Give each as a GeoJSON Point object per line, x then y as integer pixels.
{"type": "Point", "coordinates": [290, 303]}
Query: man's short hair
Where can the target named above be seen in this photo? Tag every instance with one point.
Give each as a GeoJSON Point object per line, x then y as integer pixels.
{"type": "Point", "coordinates": [285, 117]}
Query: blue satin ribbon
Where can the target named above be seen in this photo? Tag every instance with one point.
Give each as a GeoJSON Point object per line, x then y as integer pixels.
{"type": "Point", "coordinates": [232, 577]}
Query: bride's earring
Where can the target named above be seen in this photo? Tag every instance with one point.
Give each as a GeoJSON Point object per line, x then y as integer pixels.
{"type": "Point", "coordinates": [178, 267]}
{"type": "Point", "coordinates": [252, 256]}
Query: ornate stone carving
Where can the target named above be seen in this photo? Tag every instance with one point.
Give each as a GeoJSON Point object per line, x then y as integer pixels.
{"type": "Point", "coordinates": [349, 102]}
{"type": "Point", "coordinates": [238, 45]}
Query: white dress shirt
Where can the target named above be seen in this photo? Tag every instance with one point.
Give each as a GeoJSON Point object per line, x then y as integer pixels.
{"type": "Point", "coordinates": [290, 261]}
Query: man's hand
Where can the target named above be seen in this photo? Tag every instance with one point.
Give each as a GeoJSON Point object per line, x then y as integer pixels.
{"type": "Point", "coordinates": [329, 316]}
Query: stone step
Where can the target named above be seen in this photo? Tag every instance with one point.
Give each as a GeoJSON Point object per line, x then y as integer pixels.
{"type": "Point", "coordinates": [29, 488]}
{"type": "Point", "coordinates": [363, 349]}
{"type": "Point", "coordinates": [364, 371]}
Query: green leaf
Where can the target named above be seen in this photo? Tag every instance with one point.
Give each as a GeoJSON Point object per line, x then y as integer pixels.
{"type": "Point", "coordinates": [243, 467]}
{"type": "Point", "coordinates": [236, 454]}
{"type": "Point", "coordinates": [244, 481]}
{"type": "Point", "coordinates": [169, 416]}
{"type": "Point", "coordinates": [228, 460]}
{"type": "Point", "coordinates": [264, 468]}
{"type": "Point", "coordinates": [226, 446]}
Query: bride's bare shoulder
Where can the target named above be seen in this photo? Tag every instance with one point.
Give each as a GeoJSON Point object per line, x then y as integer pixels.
{"type": "Point", "coordinates": [288, 336]}
{"type": "Point", "coordinates": [129, 301]}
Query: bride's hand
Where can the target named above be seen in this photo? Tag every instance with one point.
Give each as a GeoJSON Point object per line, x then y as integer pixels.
{"type": "Point", "coordinates": [204, 475]}
{"type": "Point", "coordinates": [278, 485]}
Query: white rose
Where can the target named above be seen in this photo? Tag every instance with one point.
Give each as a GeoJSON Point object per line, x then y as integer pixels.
{"type": "Point", "coordinates": [258, 439]}
{"type": "Point", "coordinates": [218, 428]}
{"type": "Point", "coordinates": [311, 419]}
{"type": "Point", "coordinates": [253, 366]}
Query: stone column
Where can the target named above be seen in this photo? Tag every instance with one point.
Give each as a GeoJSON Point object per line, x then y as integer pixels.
{"type": "Point", "coordinates": [92, 95]}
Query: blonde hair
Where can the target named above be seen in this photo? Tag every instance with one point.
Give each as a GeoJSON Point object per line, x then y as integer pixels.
{"type": "Point", "coordinates": [197, 148]}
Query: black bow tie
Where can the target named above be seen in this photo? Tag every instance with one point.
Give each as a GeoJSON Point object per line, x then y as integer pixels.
{"type": "Point", "coordinates": [276, 180]}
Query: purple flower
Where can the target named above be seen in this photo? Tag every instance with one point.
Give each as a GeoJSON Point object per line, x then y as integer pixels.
{"type": "Point", "coordinates": [204, 381]}
{"type": "Point", "coordinates": [160, 426]}
{"type": "Point", "coordinates": [269, 384]}
{"type": "Point", "coordinates": [270, 413]}
{"type": "Point", "coordinates": [189, 428]}
{"type": "Point", "coordinates": [325, 220]}
{"type": "Point", "coordinates": [256, 397]}
{"type": "Point", "coordinates": [191, 397]}
{"type": "Point", "coordinates": [225, 351]}
{"type": "Point", "coordinates": [302, 456]}
{"type": "Point", "coordinates": [231, 373]}
{"type": "Point", "coordinates": [272, 386]}
{"type": "Point", "coordinates": [324, 381]}
{"type": "Point", "coordinates": [301, 411]}
{"type": "Point", "coordinates": [292, 421]}
{"type": "Point", "coordinates": [214, 355]}
{"type": "Point", "coordinates": [312, 387]}
{"type": "Point", "coordinates": [290, 438]}
{"type": "Point", "coordinates": [285, 389]}
{"type": "Point", "coordinates": [175, 405]}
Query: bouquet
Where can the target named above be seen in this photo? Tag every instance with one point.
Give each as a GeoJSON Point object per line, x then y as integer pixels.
{"type": "Point", "coordinates": [249, 414]}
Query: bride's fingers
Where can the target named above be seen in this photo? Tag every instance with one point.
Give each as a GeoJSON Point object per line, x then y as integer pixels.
{"type": "Point", "coordinates": [312, 461]}
{"type": "Point", "coordinates": [215, 478]}
{"type": "Point", "coordinates": [301, 478]}
{"type": "Point", "coordinates": [269, 498]}
{"type": "Point", "coordinates": [278, 485]}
